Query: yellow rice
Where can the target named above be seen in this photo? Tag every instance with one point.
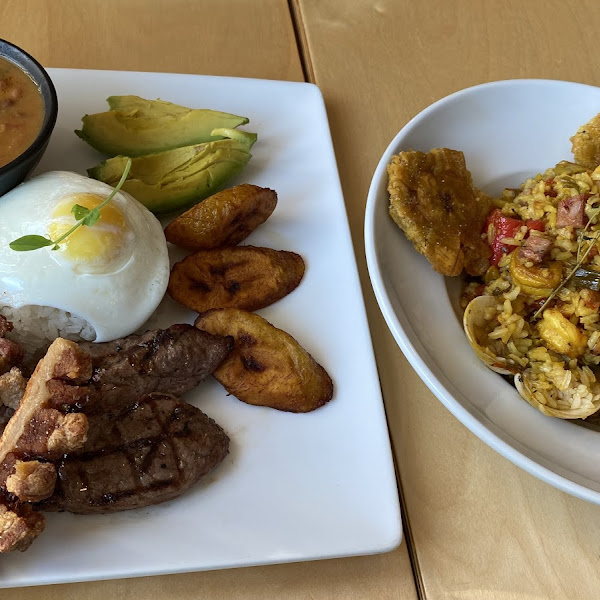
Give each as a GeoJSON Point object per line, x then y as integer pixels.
{"type": "Point", "coordinates": [558, 384]}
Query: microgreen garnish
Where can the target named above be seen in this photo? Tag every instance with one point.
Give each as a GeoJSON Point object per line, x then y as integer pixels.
{"type": "Point", "coordinates": [79, 211]}
{"type": "Point", "coordinates": [84, 216]}
{"type": "Point", "coordinates": [30, 242]}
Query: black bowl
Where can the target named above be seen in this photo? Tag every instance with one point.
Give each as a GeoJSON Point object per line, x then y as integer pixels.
{"type": "Point", "coordinates": [15, 171]}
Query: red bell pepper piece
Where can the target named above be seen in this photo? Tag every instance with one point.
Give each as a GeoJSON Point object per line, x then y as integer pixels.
{"type": "Point", "coordinates": [538, 225]}
{"type": "Point", "coordinates": [498, 228]}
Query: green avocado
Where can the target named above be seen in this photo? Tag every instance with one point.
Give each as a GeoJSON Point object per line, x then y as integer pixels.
{"type": "Point", "coordinates": [135, 126]}
{"type": "Point", "coordinates": [176, 179]}
{"type": "Point", "coordinates": [127, 103]}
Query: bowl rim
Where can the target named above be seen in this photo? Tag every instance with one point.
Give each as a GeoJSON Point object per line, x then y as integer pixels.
{"type": "Point", "coordinates": [50, 109]}
{"type": "Point", "coordinates": [402, 338]}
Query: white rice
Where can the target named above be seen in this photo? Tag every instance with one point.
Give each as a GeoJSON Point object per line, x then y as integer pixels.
{"type": "Point", "coordinates": [35, 327]}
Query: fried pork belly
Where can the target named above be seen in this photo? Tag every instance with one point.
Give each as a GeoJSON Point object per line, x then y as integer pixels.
{"type": "Point", "coordinates": [12, 382]}
{"type": "Point", "coordinates": [36, 429]}
{"type": "Point", "coordinates": [432, 199]}
{"type": "Point", "coordinates": [5, 326]}
{"type": "Point", "coordinates": [11, 353]}
{"type": "Point", "coordinates": [35, 435]}
{"type": "Point", "coordinates": [19, 526]}
{"type": "Point", "coordinates": [12, 388]}
{"type": "Point", "coordinates": [31, 480]}
{"type": "Point", "coordinates": [586, 144]}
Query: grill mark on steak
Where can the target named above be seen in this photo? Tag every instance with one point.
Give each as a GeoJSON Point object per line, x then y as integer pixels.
{"type": "Point", "coordinates": [153, 443]}
{"type": "Point", "coordinates": [144, 454]}
{"type": "Point", "coordinates": [172, 360]}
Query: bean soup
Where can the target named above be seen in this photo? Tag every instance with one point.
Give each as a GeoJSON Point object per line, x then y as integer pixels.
{"type": "Point", "coordinates": [21, 111]}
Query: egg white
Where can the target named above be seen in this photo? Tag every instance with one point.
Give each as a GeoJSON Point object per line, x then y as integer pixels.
{"type": "Point", "coordinates": [114, 303]}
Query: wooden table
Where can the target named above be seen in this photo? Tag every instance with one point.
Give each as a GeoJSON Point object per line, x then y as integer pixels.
{"type": "Point", "coordinates": [476, 526]}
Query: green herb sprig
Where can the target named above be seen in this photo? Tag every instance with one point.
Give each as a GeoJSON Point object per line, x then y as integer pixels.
{"type": "Point", "coordinates": [580, 260]}
{"type": "Point", "coordinates": [582, 235]}
{"type": "Point", "coordinates": [84, 216]}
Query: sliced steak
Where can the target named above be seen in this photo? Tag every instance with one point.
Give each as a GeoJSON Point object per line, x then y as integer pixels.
{"type": "Point", "coordinates": [172, 360]}
{"type": "Point", "coordinates": [148, 453]}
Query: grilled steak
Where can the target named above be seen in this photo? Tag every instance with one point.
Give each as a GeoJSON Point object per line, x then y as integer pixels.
{"type": "Point", "coordinates": [147, 453]}
{"type": "Point", "coordinates": [172, 360]}
{"type": "Point", "coordinates": [142, 448]}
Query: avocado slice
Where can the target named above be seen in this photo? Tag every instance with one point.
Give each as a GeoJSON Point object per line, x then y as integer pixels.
{"type": "Point", "coordinates": [135, 126]}
{"type": "Point", "coordinates": [168, 181]}
{"type": "Point", "coordinates": [127, 103]}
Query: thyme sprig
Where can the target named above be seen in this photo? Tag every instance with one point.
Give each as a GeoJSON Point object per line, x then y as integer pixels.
{"type": "Point", "coordinates": [580, 260]}
{"type": "Point", "coordinates": [582, 234]}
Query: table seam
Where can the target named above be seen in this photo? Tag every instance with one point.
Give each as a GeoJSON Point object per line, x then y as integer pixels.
{"type": "Point", "coordinates": [309, 75]}
{"type": "Point", "coordinates": [301, 41]}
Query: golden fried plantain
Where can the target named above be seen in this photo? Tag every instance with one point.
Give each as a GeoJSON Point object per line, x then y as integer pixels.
{"type": "Point", "coordinates": [243, 277]}
{"type": "Point", "coordinates": [267, 366]}
{"type": "Point", "coordinates": [586, 144]}
{"type": "Point", "coordinates": [224, 219]}
{"type": "Point", "coordinates": [432, 199]}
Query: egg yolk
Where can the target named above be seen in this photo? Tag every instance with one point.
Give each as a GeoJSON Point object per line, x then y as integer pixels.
{"type": "Point", "coordinates": [98, 246]}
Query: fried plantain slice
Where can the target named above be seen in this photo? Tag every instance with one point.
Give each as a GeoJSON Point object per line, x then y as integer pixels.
{"type": "Point", "coordinates": [243, 277]}
{"type": "Point", "coordinates": [586, 144]}
{"type": "Point", "coordinates": [432, 199]}
{"type": "Point", "coordinates": [224, 219]}
{"type": "Point", "coordinates": [267, 366]}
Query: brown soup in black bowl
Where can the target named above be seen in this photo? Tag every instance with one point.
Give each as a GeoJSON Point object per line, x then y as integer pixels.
{"type": "Point", "coordinates": [21, 111]}
{"type": "Point", "coordinates": [28, 110]}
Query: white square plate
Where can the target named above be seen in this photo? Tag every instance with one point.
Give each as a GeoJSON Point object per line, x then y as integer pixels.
{"type": "Point", "coordinates": [294, 487]}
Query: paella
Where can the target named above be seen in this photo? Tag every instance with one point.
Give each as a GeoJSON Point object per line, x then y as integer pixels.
{"type": "Point", "coordinates": [530, 259]}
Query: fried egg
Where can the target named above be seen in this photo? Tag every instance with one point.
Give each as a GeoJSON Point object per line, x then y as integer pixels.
{"type": "Point", "coordinates": [112, 274]}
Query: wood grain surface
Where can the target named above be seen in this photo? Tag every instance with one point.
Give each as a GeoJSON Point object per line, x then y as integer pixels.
{"type": "Point", "coordinates": [479, 527]}
{"type": "Point", "coordinates": [231, 37]}
{"type": "Point", "coordinates": [219, 37]}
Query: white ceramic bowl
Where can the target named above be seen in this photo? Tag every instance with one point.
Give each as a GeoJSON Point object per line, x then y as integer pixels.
{"type": "Point", "coordinates": [508, 130]}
